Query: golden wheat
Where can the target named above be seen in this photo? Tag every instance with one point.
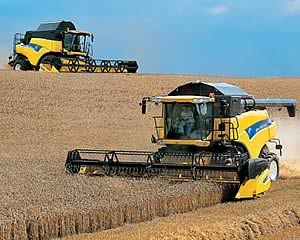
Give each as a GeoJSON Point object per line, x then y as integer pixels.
{"type": "Point", "coordinates": [42, 116]}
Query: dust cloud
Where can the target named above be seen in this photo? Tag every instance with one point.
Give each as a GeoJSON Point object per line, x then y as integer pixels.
{"type": "Point", "coordinates": [3, 59]}
{"type": "Point", "coordinates": [289, 134]}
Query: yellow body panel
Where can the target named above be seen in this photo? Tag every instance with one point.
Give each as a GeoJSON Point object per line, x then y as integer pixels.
{"type": "Point", "coordinates": [37, 48]}
{"type": "Point", "coordinates": [51, 45]}
{"type": "Point", "coordinates": [32, 55]}
{"type": "Point", "coordinates": [47, 68]}
{"type": "Point", "coordinates": [263, 135]}
{"type": "Point", "coordinates": [253, 187]}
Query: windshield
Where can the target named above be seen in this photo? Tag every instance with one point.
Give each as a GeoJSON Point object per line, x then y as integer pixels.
{"type": "Point", "coordinates": [75, 42]}
{"type": "Point", "coordinates": [188, 120]}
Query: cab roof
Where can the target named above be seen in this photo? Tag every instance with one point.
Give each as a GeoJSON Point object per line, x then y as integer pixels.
{"type": "Point", "coordinates": [56, 26]}
{"type": "Point", "coordinates": [206, 88]}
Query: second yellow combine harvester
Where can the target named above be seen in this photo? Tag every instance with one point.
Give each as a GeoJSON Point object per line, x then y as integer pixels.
{"type": "Point", "coordinates": [208, 131]}
{"type": "Point", "coordinates": [59, 47]}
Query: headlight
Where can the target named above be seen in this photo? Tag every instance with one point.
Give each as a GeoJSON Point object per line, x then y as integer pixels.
{"type": "Point", "coordinates": [199, 100]}
{"type": "Point", "coordinates": [156, 100]}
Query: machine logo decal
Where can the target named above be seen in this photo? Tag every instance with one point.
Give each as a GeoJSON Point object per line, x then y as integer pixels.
{"type": "Point", "coordinates": [255, 128]}
{"type": "Point", "coordinates": [34, 47]}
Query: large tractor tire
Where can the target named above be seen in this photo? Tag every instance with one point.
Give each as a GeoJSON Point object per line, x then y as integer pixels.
{"type": "Point", "coordinates": [273, 161]}
{"type": "Point", "coordinates": [20, 65]}
{"type": "Point", "coordinates": [273, 166]}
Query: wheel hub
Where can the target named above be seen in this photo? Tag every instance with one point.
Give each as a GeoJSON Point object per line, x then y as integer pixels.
{"type": "Point", "coordinates": [273, 170]}
{"type": "Point", "coordinates": [18, 67]}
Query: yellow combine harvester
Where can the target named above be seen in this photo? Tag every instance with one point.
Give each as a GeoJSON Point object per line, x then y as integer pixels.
{"type": "Point", "coordinates": [208, 131]}
{"type": "Point", "coordinates": [59, 47]}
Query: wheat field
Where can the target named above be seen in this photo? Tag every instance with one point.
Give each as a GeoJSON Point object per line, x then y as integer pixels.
{"type": "Point", "coordinates": [42, 116]}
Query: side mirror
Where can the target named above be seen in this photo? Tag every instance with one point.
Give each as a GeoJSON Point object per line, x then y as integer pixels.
{"type": "Point", "coordinates": [90, 50]}
{"type": "Point", "coordinates": [279, 147]}
{"type": "Point", "coordinates": [92, 38]}
{"type": "Point", "coordinates": [144, 106]}
{"type": "Point", "coordinates": [292, 110]}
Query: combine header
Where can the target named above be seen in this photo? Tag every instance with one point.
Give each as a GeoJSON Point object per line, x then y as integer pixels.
{"type": "Point", "coordinates": [207, 131]}
{"type": "Point", "coordinates": [59, 47]}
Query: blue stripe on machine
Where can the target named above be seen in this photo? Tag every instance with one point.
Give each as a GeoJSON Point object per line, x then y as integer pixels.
{"type": "Point", "coordinates": [256, 127]}
{"type": "Point", "coordinates": [34, 47]}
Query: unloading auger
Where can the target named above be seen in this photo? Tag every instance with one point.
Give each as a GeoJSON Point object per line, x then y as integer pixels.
{"type": "Point", "coordinates": [207, 131]}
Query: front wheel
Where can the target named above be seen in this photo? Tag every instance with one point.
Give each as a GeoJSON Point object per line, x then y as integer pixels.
{"type": "Point", "coordinates": [20, 65]}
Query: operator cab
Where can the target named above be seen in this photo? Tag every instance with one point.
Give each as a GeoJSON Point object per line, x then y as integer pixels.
{"type": "Point", "coordinates": [188, 120]}
{"type": "Point", "coordinates": [77, 42]}
{"type": "Point", "coordinates": [200, 113]}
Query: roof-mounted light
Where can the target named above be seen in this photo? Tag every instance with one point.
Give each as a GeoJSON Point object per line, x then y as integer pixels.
{"type": "Point", "coordinates": [200, 100]}
{"type": "Point", "coordinates": [156, 99]}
